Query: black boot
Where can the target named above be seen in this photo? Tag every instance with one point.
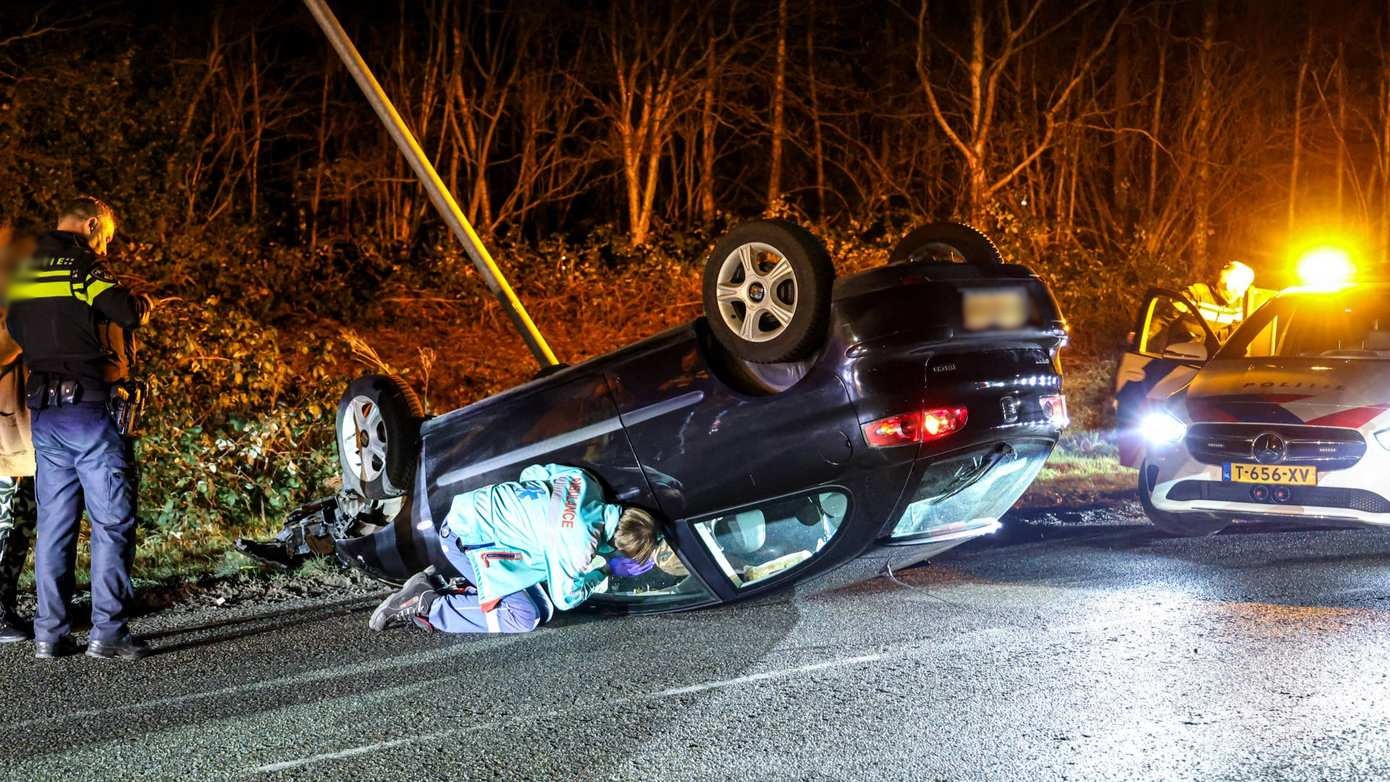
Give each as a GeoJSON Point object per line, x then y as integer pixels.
{"type": "Point", "coordinates": [128, 648]}
{"type": "Point", "coordinates": [17, 515]}
{"type": "Point", "coordinates": [12, 628]}
{"type": "Point", "coordinates": [51, 650]}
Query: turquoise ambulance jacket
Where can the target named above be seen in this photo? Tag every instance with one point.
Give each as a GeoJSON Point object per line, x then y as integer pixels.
{"type": "Point", "coordinates": [546, 528]}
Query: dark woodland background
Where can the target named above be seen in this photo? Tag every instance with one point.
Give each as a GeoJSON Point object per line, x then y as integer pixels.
{"type": "Point", "coordinates": [600, 147]}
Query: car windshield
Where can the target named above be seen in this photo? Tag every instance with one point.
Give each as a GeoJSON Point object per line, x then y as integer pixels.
{"type": "Point", "coordinates": [1343, 324]}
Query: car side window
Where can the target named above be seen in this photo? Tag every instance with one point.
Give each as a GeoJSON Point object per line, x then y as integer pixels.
{"type": "Point", "coordinates": [758, 542]}
{"type": "Point", "coordinates": [1171, 328]}
{"type": "Point", "coordinates": [1265, 343]}
{"type": "Point", "coordinates": [668, 584]}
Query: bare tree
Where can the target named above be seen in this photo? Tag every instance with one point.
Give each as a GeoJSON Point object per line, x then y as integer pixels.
{"type": "Point", "coordinates": [1163, 29]}
{"type": "Point", "coordinates": [813, 93]}
{"type": "Point", "coordinates": [1296, 144]}
{"type": "Point", "coordinates": [550, 159]}
{"type": "Point", "coordinates": [1206, 89]}
{"type": "Point", "coordinates": [969, 120]}
{"type": "Point", "coordinates": [1340, 124]}
{"type": "Point", "coordinates": [320, 159]}
{"type": "Point", "coordinates": [709, 126]}
{"type": "Point", "coordinates": [779, 99]}
{"type": "Point", "coordinates": [1382, 137]}
{"type": "Point", "coordinates": [654, 71]}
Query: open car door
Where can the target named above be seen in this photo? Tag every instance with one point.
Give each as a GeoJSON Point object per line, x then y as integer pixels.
{"type": "Point", "coordinates": [1170, 342]}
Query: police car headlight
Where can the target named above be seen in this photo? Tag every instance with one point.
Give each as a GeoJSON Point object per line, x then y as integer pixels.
{"type": "Point", "coordinates": [1383, 437]}
{"type": "Point", "coordinates": [1162, 428]}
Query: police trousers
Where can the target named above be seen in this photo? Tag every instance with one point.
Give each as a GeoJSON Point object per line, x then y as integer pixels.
{"type": "Point", "coordinates": [82, 460]}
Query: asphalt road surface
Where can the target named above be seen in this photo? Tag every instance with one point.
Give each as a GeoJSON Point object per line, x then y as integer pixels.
{"type": "Point", "coordinates": [1090, 650]}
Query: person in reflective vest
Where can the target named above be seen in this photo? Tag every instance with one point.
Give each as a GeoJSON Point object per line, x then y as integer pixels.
{"type": "Point", "coordinates": [62, 303]}
{"type": "Point", "coordinates": [1230, 300]}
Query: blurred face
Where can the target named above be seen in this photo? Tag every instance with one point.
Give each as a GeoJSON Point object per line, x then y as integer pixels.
{"type": "Point", "coordinates": [1235, 280]}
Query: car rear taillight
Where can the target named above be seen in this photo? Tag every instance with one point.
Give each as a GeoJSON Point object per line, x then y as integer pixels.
{"type": "Point", "coordinates": [917, 427]}
{"type": "Point", "coordinates": [1055, 408]}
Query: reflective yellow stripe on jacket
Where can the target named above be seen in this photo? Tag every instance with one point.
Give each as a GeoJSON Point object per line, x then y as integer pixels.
{"type": "Point", "coordinates": [56, 284]}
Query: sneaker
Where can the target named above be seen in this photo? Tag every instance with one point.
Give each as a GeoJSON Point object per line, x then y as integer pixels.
{"type": "Point", "coordinates": [12, 629]}
{"type": "Point", "coordinates": [409, 606]}
{"type": "Point", "coordinates": [128, 648]}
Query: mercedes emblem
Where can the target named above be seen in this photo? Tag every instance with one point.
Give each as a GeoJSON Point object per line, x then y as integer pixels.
{"type": "Point", "coordinates": [1269, 448]}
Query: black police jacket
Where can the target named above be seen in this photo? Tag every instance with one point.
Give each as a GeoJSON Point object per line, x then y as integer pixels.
{"type": "Point", "coordinates": [62, 306]}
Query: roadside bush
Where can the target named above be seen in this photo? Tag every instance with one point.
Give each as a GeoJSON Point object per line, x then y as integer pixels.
{"type": "Point", "coordinates": [239, 427]}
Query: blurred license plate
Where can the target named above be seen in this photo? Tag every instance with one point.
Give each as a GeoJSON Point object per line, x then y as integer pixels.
{"type": "Point", "coordinates": [994, 308]}
{"type": "Point", "coordinates": [1278, 475]}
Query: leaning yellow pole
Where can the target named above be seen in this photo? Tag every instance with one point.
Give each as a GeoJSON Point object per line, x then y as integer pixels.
{"type": "Point", "coordinates": [424, 169]}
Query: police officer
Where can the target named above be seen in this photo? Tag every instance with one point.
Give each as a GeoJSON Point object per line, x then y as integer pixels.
{"type": "Point", "coordinates": [62, 303]}
{"type": "Point", "coordinates": [1227, 302]}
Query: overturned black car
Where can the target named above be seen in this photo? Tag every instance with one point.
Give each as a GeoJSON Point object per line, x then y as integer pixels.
{"type": "Point", "coordinates": [805, 431]}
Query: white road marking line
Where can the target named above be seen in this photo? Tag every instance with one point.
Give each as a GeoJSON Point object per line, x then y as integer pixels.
{"type": "Point", "coordinates": [347, 753]}
{"type": "Point", "coordinates": [751, 678]}
{"type": "Point", "coordinates": [757, 677]}
{"type": "Point", "coordinates": [296, 680]}
{"type": "Point", "coordinates": [904, 652]}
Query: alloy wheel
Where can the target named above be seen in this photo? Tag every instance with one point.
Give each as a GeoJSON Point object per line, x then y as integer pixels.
{"type": "Point", "coordinates": [363, 439]}
{"type": "Point", "coordinates": [756, 292]}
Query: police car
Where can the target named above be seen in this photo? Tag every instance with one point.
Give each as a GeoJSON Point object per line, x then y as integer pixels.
{"type": "Point", "coordinates": [1287, 420]}
{"type": "Point", "coordinates": [1174, 333]}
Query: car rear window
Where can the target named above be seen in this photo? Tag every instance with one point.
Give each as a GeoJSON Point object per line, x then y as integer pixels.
{"type": "Point", "coordinates": [1345, 324]}
{"type": "Point", "coordinates": [973, 486]}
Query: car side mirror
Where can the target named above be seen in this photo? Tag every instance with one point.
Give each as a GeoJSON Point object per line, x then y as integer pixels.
{"type": "Point", "coordinates": [1186, 351]}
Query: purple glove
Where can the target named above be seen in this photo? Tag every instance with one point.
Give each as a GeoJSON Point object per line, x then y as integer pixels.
{"type": "Point", "coordinates": [625, 567]}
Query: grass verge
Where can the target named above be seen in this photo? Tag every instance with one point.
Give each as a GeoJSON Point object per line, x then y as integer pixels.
{"type": "Point", "coordinates": [1083, 470]}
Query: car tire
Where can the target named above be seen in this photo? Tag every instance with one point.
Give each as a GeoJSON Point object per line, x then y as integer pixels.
{"type": "Point", "coordinates": [378, 435]}
{"type": "Point", "coordinates": [767, 289]}
{"type": "Point", "coordinates": [1179, 525]}
{"type": "Point", "coordinates": [950, 242]}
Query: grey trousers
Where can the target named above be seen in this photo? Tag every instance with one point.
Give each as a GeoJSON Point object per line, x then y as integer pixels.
{"type": "Point", "coordinates": [18, 514]}
{"type": "Point", "coordinates": [461, 612]}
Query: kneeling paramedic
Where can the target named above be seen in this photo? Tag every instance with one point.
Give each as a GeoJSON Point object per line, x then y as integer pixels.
{"type": "Point", "coordinates": [524, 548]}
{"type": "Point", "coordinates": [67, 313]}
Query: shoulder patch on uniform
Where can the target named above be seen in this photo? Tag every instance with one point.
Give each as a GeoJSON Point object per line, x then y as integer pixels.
{"type": "Point", "coordinates": [99, 272]}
